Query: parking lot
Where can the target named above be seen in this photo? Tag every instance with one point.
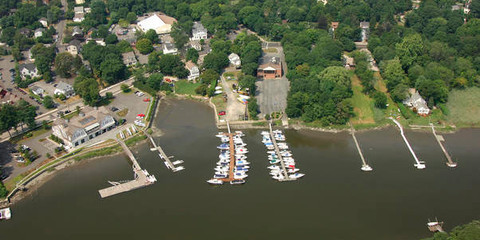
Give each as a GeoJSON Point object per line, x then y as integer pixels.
{"type": "Point", "coordinates": [135, 105]}
{"type": "Point", "coordinates": [272, 95]}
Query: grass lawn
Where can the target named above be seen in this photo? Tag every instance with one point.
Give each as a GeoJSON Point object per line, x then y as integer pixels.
{"type": "Point", "coordinates": [123, 112]}
{"type": "Point", "coordinates": [464, 107]}
{"type": "Point", "coordinates": [186, 87]}
{"type": "Point", "coordinates": [362, 104]}
{"type": "Point", "coordinates": [220, 104]}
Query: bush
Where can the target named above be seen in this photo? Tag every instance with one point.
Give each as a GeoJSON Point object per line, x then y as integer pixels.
{"type": "Point", "coordinates": [201, 90]}
{"type": "Point", "coordinates": [380, 100]}
{"type": "Point", "coordinates": [125, 88]}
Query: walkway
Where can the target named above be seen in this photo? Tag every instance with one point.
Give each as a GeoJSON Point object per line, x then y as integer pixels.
{"type": "Point", "coordinates": [365, 166]}
{"type": "Point", "coordinates": [418, 164]}
{"type": "Point", "coordinates": [163, 156]}
{"type": "Point", "coordinates": [277, 151]}
{"type": "Point", "coordinates": [439, 139]}
{"type": "Point", "coordinates": [142, 177]}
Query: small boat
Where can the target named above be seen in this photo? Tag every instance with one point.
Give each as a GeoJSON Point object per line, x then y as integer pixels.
{"type": "Point", "coordinates": [265, 133]}
{"type": "Point", "coordinates": [278, 177]}
{"type": "Point", "coordinates": [218, 168]}
{"type": "Point", "coordinates": [296, 175]}
{"type": "Point", "coordinates": [277, 131]}
{"type": "Point", "coordinates": [366, 168]}
{"type": "Point", "coordinates": [221, 172]}
{"type": "Point", "coordinates": [241, 162]}
{"type": "Point", "coordinates": [223, 146]}
{"type": "Point", "coordinates": [5, 214]}
{"type": "Point", "coordinates": [178, 162]}
{"type": "Point", "coordinates": [237, 181]}
{"type": "Point", "coordinates": [215, 181]}
{"type": "Point", "coordinates": [274, 161]}
{"type": "Point", "coordinates": [293, 170]}
{"type": "Point", "coordinates": [220, 134]}
{"type": "Point", "coordinates": [225, 139]}
{"type": "Point", "coordinates": [220, 176]}
{"type": "Point", "coordinates": [180, 168]}
{"type": "Point", "coordinates": [240, 175]}
{"type": "Point", "coordinates": [273, 167]}
{"type": "Point", "coordinates": [435, 226]}
{"type": "Point", "coordinates": [239, 133]}
{"type": "Point", "coordinates": [271, 152]}
{"type": "Point", "coordinates": [286, 154]}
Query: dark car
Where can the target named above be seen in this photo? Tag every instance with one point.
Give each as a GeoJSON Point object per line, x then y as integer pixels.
{"type": "Point", "coordinates": [114, 109]}
{"type": "Point", "coordinates": [67, 111]}
{"type": "Point", "coordinates": [11, 70]}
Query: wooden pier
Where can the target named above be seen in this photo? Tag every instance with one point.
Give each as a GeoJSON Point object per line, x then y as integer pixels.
{"type": "Point", "coordinates": [141, 179]}
{"type": "Point", "coordinates": [365, 167]}
{"type": "Point", "coordinates": [277, 151]}
{"type": "Point", "coordinates": [439, 139]}
{"type": "Point", "coordinates": [418, 164]}
{"type": "Point", "coordinates": [163, 156]}
{"type": "Point", "coordinates": [231, 148]}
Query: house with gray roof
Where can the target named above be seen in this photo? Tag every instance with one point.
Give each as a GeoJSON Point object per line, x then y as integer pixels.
{"type": "Point", "coordinates": [39, 32]}
{"type": "Point", "coordinates": [129, 59]}
{"type": "Point", "coordinates": [65, 89]}
{"type": "Point", "coordinates": [417, 103]}
{"type": "Point", "coordinates": [28, 69]}
{"type": "Point", "coordinates": [198, 31]}
{"type": "Point", "coordinates": [169, 48]}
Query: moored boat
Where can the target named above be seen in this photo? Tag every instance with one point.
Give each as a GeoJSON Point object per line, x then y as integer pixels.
{"type": "Point", "coordinates": [237, 181]}
{"type": "Point", "coordinates": [5, 214]}
{"type": "Point", "coordinates": [215, 181]}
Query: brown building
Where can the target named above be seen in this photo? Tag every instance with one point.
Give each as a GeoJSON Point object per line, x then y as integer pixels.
{"type": "Point", "coordinates": [270, 69]}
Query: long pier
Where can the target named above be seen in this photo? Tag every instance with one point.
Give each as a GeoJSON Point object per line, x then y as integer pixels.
{"type": "Point", "coordinates": [365, 166]}
{"type": "Point", "coordinates": [163, 156]}
{"type": "Point", "coordinates": [142, 177]}
{"type": "Point", "coordinates": [231, 147]}
{"type": "Point", "coordinates": [439, 139]}
{"type": "Point", "coordinates": [418, 164]}
{"type": "Point", "coordinates": [277, 151]}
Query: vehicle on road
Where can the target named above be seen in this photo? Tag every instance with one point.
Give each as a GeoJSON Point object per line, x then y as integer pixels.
{"type": "Point", "coordinates": [222, 113]}
{"type": "Point", "coordinates": [114, 109]}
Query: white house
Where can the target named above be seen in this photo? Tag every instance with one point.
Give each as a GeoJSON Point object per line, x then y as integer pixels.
{"type": "Point", "coordinates": [37, 90]}
{"type": "Point", "coordinates": [417, 103]}
{"type": "Point", "coordinates": [89, 124]}
{"type": "Point", "coordinates": [65, 89]}
{"type": "Point", "coordinates": [169, 48]}
{"type": "Point", "coordinates": [79, 14]}
{"type": "Point", "coordinates": [43, 21]}
{"type": "Point", "coordinates": [160, 23]}
{"type": "Point", "coordinates": [74, 47]}
{"type": "Point", "coordinates": [198, 31]}
{"type": "Point", "coordinates": [78, 9]}
{"type": "Point", "coordinates": [28, 69]}
{"type": "Point", "coordinates": [194, 72]}
{"type": "Point", "coordinates": [235, 60]}
{"type": "Point", "coordinates": [79, 2]}
{"type": "Point", "coordinates": [38, 32]}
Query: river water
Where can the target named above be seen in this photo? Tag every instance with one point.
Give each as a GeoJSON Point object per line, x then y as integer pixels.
{"type": "Point", "coordinates": [335, 200]}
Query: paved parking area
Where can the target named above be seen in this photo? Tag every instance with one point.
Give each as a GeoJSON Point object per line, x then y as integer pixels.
{"type": "Point", "coordinates": [132, 102]}
{"type": "Point", "coordinates": [272, 95]}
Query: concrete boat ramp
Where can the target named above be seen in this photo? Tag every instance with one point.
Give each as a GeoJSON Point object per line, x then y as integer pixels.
{"type": "Point", "coordinates": [142, 178]}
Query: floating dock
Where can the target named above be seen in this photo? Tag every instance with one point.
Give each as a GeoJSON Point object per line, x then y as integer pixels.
{"type": "Point", "coordinates": [439, 139]}
{"type": "Point", "coordinates": [164, 156]}
{"type": "Point", "coordinates": [365, 167]}
{"type": "Point", "coordinates": [142, 178]}
{"type": "Point", "coordinates": [418, 164]}
{"type": "Point", "coordinates": [277, 152]}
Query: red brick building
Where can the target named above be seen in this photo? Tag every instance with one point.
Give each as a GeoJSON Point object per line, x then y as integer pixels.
{"type": "Point", "coordinates": [270, 70]}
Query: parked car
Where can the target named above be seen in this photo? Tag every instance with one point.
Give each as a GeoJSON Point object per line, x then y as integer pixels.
{"type": "Point", "coordinates": [114, 109]}
{"type": "Point", "coordinates": [221, 113]}
{"type": "Point", "coordinates": [146, 100]}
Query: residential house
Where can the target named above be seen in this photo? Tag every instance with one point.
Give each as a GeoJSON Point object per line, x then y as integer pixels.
{"type": "Point", "coordinates": [194, 72]}
{"type": "Point", "coordinates": [28, 69]}
{"type": "Point", "coordinates": [77, 32]}
{"type": "Point", "coordinates": [88, 10]}
{"type": "Point", "coordinates": [90, 123]}
{"type": "Point", "coordinates": [39, 32]}
{"type": "Point", "coordinates": [74, 47]}
{"type": "Point", "coordinates": [78, 9]}
{"type": "Point", "coordinates": [79, 2]}
{"type": "Point", "coordinates": [65, 89]}
{"type": "Point", "coordinates": [365, 26]}
{"type": "Point", "coordinates": [129, 59]}
{"type": "Point", "coordinates": [79, 14]}
{"type": "Point", "coordinates": [270, 68]}
{"type": "Point", "coordinates": [235, 60]}
{"type": "Point", "coordinates": [196, 45]}
{"type": "Point", "coordinates": [161, 23]}
{"type": "Point", "coordinates": [417, 103]}
{"type": "Point", "coordinates": [37, 90]}
{"type": "Point", "coordinates": [198, 31]}
{"type": "Point", "coordinates": [169, 48]}
{"type": "Point", "coordinates": [44, 22]}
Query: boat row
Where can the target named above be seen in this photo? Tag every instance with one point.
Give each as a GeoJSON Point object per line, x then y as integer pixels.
{"type": "Point", "coordinates": [278, 170]}
{"type": "Point", "coordinates": [232, 165]}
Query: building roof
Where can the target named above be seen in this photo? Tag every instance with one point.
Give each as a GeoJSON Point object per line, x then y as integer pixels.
{"type": "Point", "coordinates": [42, 19]}
{"type": "Point", "coordinates": [198, 28]}
{"type": "Point", "coordinates": [90, 118]}
{"type": "Point", "coordinates": [64, 86]}
{"type": "Point", "coordinates": [233, 57]}
{"type": "Point", "coordinates": [167, 19]}
{"type": "Point", "coordinates": [78, 9]}
{"type": "Point", "coordinates": [75, 43]}
{"type": "Point", "coordinates": [29, 66]}
{"type": "Point", "coordinates": [335, 24]}
{"type": "Point", "coordinates": [37, 89]}
{"type": "Point", "coordinates": [128, 57]}
{"type": "Point", "coordinates": [364, 25]}
{"type": "Point", "coordinates": [77, 31]}
{"type": "Point", "coordinates": [40, 30]}
{"type": "Point", "coordinates": [416, 101]}
{"type": "Point", "coordinates": [189, 65]}
{"type": "Point", "coordinates": [169, 46]}
{"type": "Point", "coordinates": [270, 63]}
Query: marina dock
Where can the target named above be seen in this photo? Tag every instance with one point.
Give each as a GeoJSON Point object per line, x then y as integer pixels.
{"type": "Point", "coordinates": [142, 177]}
{"type": "Point", "coordinates": [277, 151]}
{"type": "Point", "coordinates": [163, 156]}
{"type": "Point", "coordinates": [418, 164]}
{"type": "Point", "coordinates": [365, 166]}
{"type": "Point", "coordinates": [231, 148]}
{"type": "Point", "coordinates": [439, 139]}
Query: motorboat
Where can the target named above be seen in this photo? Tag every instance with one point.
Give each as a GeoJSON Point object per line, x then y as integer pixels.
{"type": "Point", "coordinates": [271, 152]}
{"type": "Point", "coordinates": [277, 131]}
{"type": "Point", "coordinates": [225, 139]}
{"type": "Point", "coordinates": [220, 134]}
{"type": "Point", "coordinates": [219, 168]}
{"type": "Point", "coordinates": [278, 177]}
{"type": "Point", "coordinates": [243, 167]}
{"type": "Point", "coordinates": [215, 181]}
{"type": "Point", "coordinates": [293, 170]}
{"type": "Point", "coordinates": [220, 176]}
{"type": "Point", "coordinates": [239, 133]}
{"type": "Point", "coordinates": [286, 154]}
{"type": "Point", "coordinates": [288, 159]}
{"type": "Point", "coordinates": [237, 181]}
{"type": "Point", "coordinates": [5, 214]}
{"type": "Point", "coordinates": [273, 167]}
{"type": "Point", "coordinates": [366, 168]}
{"type": "Point", "coordinates": [296, 175]}
{"type": "Point", "coordinates": [274, 161]}
{"type": "Point", "coordinates": [239, 162]}
{"type": "Point", "coordinates": [241, 150]}
{"type": "Point", "coordinates": [223, 146]}
{"type": "Point", "coordinates": [221, 172]}
{"type": "Point", "coordinates": [240, 175]}
{"type": "Point", "coordinates": [265, 133]}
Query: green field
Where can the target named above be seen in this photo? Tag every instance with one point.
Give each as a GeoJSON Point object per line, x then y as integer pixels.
{"type": "Point", "coordinates": [362, 104]}
{"type": "Point", "coordinates": [464, 106]}
{"type": "Point", "coordinates": [186, 87]}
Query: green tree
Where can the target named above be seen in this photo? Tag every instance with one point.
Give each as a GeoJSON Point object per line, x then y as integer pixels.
{"type": "Point", "coordinates": [113, 70]}
{"type": "Point", "coordinates": [409, 50]}
{"type": "Point", "coordinates": [48, 102]}
{"type": "Point", "coordinates": [87, 88]}
{"type": "Point", "coordinates": [192, 54]}
{"type": "Point", "coordinates": [380, 100]}
{"type": "Point", "coordinates": [152, 36]}
{"type": "Point", "coordinates": [144, 46]}
{"type": "Point", "coordinates": [64, 64]}
{"type": "Point", "coordinates": [125, 88]}
{"type": "Point", "coordinates": [155, 81]}
{"type": "Point", "coordinates": [131, 17]}
{"type": "Point", "coordinates": [216, 61]}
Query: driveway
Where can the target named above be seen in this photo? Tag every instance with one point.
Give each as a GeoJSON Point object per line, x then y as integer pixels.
{"type": "Point", "coordinates": [235, 109]}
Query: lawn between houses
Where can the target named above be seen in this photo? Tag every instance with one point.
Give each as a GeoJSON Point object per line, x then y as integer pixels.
{"type": "Point", "coordinates": [185, 87]}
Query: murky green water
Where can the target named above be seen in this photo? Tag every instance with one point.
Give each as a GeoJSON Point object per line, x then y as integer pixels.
{"type": "Point", "coordinates": [335, 200]}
